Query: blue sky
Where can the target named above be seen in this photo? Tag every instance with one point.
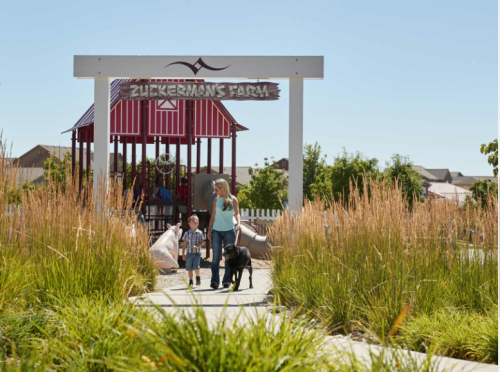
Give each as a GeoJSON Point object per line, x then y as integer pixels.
{"type": "Point", "coordinates": [418, 78]}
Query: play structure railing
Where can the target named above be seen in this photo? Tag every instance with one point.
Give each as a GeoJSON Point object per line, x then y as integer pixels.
{"type": "Point", "coordinates": [259, 214]}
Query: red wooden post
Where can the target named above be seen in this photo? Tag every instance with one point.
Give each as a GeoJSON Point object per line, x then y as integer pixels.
{"type": "Point", "coordinates": [233, 165]}
{"type": "Point", "coordinates": [124, 164]}
{"type": "Point", "coordinates": [167, 160]}
{"type": "Point", "coordinates": [134, 147]}
{"type": "Point", "coordinates": [221, 156]}
{"type": "Point", "coordinates": [80, 160]}
{"type": "Point", "coordinates": [209, 156]}
{"type": "Point", "coordinates": [73, 154]}
{"type": "Point", "coordinates": [177, 173]}
{"type": "Point", "coordinates": [198, 155]}
{"type": "Point", "coordinates": [157, 148]}
{"type": "Point", "coordinates": [189, 105]}
{"type": "Point", "coordinates": [158, 179]}
{"type": "Point", "coordinates": [144, 128]}
{"type": "Point", "coordinates": [115, 155]}
{"type": "Point", "coordinates": [87, 134]}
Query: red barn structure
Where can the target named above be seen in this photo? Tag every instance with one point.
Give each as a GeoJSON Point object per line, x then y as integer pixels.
{"type": "Point", "coordinates": [162, 124]}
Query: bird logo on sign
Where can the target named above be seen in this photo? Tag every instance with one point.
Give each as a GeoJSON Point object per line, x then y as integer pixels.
{"type": "Point", "coordinates": [197, 66]}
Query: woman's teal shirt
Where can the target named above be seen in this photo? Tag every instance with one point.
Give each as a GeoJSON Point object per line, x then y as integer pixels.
{"type": "Point", "coordinates": [224, 220]}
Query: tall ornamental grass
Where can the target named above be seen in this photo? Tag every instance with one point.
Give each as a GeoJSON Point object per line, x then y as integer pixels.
{"type": "Point", "coordinates": [58, 245]}
{"type": "Point", "coordinates": [371, 264]}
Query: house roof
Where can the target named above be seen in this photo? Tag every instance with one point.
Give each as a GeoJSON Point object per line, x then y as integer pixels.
{"type": "Point", "coordinates": [425, 173]}
{"type": "Point", "coordinates": [59, 152]}
{"type": "Point", "coordinates": [469, 180]}
{"type": "Point", "coordinates": [440, 174]}
{"type": "Point", "coordinates": [456, 174]}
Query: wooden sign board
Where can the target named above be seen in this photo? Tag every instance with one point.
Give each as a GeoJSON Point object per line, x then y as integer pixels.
{"type": "Point", "coordinates": [196, 91]}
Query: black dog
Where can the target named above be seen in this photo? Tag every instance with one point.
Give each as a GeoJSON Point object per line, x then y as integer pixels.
{"type": "Point", "coordinates": [238, 258]}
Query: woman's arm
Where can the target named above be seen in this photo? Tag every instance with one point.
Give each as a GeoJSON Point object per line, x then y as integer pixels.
{"type": "Point", "coordinates": [236, 208]}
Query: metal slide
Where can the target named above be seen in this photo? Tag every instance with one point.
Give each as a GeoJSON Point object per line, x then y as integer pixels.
{"type": "Point", "coordinates": [258, 246]}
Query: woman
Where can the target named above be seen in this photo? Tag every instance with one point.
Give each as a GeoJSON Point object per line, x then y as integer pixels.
{"type": "Point", "coordinates": [221, 230]}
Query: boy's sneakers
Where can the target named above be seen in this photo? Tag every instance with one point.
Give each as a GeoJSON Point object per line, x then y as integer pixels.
{"type": "Point", "coordinates": [191, 283]}
{"type": "Point", "coordinates": [198, 281]}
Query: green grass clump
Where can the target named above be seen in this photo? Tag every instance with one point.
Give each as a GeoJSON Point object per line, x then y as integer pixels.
{"type": "Point", "coordinates": [97, 335]}
{"type": "Point", "coordinates": [454, 333]}
{"type": "Point", "coordinates": [368, 265]}
{"type": "Point", "coordinates": [60, 246]}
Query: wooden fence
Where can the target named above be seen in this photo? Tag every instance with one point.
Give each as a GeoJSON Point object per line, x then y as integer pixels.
{"type": "Point", "coordinates": [259, 214]}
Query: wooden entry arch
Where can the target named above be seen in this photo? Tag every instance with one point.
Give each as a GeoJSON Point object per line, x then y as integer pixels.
{"type": "Point", "coordinates": [103, 68]}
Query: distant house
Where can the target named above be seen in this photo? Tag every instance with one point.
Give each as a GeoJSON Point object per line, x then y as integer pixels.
{"type": "Point", "coordinates": [456, 174]}
{"type": "Point", "coordinates": [434, 175]}
{"type": "Point", "coordinates": [431, 176]}
{"type": "Point", "coordinates": [281, 164]}
{"type": "Point", "coordinates": [30, 164]}
{"type": "Point", "coordinates": [443, 190]}
{"type": "Point", "coordinates": [466, 182]}
{"type": "Point", "coordinates": [242, 176]}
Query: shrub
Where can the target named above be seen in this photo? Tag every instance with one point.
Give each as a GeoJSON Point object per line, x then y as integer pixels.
{"type": "Point", "coordinates": [455, 333]}
{"type": "Point", "coordinates": [373, 263]}
{"type": "Point", "coordinates": [60, 245]}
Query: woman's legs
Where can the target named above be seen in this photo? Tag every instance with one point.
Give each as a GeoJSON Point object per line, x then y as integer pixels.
{"type": "Point", "coordinates": [220, 239]}
{"type": "Point", "coordinates": [217, 251]}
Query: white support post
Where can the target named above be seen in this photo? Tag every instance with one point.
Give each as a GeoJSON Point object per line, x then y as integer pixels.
{"type": "Point", "coordinates": [295, 144]}
{"type": "Point", "coordinates": [101, 133]}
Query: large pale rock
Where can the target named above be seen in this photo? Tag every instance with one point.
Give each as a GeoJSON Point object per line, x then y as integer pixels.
{"type": "Point", "coordinates": [165, 251]}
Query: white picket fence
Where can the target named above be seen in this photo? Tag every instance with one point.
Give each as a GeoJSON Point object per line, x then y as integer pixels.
{"type": "Point", "coordinates": [261, 214]}
{"type": "Point", "coordinates": [12, 208]}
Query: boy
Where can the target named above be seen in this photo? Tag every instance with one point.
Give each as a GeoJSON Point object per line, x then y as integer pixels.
{"type": "Point", "coordinates": [193, 240]}
{"type": "Point", "coordinates": [164, 198]}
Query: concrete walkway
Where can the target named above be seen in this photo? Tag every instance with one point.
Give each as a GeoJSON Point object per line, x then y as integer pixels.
{"type": "Point", "coordinates": [249, 304]}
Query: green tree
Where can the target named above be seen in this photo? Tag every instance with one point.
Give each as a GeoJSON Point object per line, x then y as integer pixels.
{"type": "Point", "coordinates": [483, 190]}
{"type": "Point", "coordinates": [491, 148]}
{"type": "Point", "coordinates": [56, 171]}
{"type": "Point", "coordinates": [315, 170]}
{"type": "Point", "coordinates": [266, 188]}
{"type": "Point", "coordinates": [155, 175]}
{"type": "Point", "coordinates": [400, 169]}
{"type": "Point", "coordinates": [350, 169]}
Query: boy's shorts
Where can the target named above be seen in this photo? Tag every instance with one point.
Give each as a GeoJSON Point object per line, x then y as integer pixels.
{"type": "Point", "coordinates": [193, 261]}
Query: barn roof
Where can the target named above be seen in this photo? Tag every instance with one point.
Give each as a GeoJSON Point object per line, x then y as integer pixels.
{"type": "Point", "coordinates": [165, 118]}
